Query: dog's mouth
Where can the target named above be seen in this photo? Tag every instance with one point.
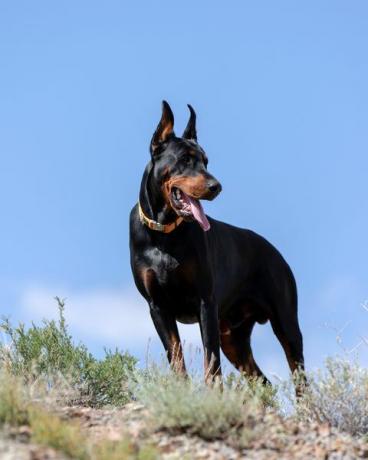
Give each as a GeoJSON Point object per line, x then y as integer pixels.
{"type": "Point", "coordinates": [189, 208]}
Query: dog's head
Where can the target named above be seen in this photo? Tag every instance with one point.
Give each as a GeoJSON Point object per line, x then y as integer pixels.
{"type": "Point", "coordinates": [180, 168]}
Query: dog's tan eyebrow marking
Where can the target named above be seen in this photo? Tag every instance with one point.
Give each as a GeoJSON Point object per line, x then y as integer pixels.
{"type": "Point", "coordinates": [166, 171]}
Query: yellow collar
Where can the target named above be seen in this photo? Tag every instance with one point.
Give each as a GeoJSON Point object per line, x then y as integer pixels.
{"type": "Point", "coordinates": [153, 225]}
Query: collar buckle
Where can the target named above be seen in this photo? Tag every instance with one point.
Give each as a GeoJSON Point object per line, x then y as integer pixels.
{"type": "Point", "coordinates": [153, 225]}
{"type": "Point", "coordinates": [156, 226]}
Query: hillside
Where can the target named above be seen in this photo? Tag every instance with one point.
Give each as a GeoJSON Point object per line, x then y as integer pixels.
{"type": "Point", "coordinates": [58, 402]}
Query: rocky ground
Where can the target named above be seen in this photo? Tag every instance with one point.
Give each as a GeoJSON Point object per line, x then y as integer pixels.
{"type": "Point", "coordinates": [274, 438]}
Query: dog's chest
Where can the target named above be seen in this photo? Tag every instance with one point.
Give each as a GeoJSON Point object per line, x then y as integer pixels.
{"type": "Point", "coordinates": [163, 264]}
{"type": "Point", "coordinates": [177, 272]}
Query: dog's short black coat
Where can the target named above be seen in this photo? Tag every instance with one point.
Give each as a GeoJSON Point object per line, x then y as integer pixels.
{"type": "Point", "coordinates": [226, 278]}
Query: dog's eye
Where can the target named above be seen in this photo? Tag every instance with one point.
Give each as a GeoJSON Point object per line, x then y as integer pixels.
{"type": "Point", "coordinates": [188, 159]}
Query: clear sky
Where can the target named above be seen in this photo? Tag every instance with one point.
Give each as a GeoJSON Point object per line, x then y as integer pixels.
{"type": "Point", "coordinates": [281, 93]}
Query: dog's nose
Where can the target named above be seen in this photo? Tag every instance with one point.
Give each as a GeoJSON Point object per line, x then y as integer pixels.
{"type": "Point", "coordinates": [214, 187]}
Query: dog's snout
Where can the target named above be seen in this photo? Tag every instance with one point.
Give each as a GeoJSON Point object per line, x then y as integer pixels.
{"type": "Point", "coordinates": [214, 187]}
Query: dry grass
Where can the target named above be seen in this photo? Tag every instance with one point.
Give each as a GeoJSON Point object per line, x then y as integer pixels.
{"type": "Point", "coordinates": [337, 395]}
{"type": "Point", "coordinates": [188, 405]}
{"type": "Point", "coordinates": [18, 407]}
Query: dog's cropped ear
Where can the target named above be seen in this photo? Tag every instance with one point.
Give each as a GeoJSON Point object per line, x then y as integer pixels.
{"type": "Point", "coordinates": [165, 128]}
{"type": "Point", "coordinates": [190, 131]}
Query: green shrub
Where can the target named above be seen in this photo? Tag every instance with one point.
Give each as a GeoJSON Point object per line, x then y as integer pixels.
{"type": "Point", "coordinates": [48, 351]}
{"type": "Point", "coordinates": [43, 349]}
{"type": "Point", "coordinates": [107, 379]}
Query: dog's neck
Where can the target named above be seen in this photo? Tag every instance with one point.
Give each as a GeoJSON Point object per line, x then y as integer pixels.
{"type": "Point", "coordinates": [152, 201]}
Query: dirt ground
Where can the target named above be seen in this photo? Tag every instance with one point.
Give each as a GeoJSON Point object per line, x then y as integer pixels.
{"type": "Point", "coordinates": [275, 439]}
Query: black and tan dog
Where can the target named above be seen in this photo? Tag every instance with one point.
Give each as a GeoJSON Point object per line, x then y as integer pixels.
{"type": "Point", "coordinates": [191, 268]}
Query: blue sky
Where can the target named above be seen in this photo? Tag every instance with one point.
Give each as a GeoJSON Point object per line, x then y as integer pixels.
{"type": "Point", "coordinates": [280, 90]}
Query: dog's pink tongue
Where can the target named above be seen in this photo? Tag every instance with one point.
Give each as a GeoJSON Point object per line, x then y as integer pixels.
{"type": "Point", "coordinates": [199, 214]}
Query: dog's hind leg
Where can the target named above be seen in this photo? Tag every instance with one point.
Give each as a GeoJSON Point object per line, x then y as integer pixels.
{"type": "Point", "coordinates": [235, 344]}
{"type": "Point", "coordinates": [291, 340]}
{"type": "Point", "coordinates": [285, 325]}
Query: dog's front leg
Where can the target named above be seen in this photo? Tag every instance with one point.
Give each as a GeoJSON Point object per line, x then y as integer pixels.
{"type": "Point", "coordinates": [167, 329]}
{"type": "Point", "coordinates": [209, 325]}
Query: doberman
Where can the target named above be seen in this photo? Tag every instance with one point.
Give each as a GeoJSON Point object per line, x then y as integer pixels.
{"type": "Point", "coordinates": [192, 268]}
